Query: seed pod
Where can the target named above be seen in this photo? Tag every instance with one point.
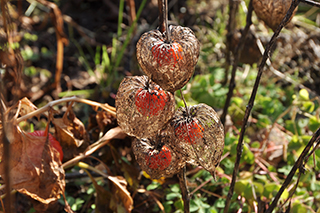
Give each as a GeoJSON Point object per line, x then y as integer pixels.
{"type": "Point", "coordinates": [169, 63]}
{"type": "Point", "coordinates": [272, 11]}
{"type": "Point", "coordinates": [143, 107]}
{"type": "Point", "coordinates": [155, 157]}
{"type": "Point", "coordinates": [199, 136]}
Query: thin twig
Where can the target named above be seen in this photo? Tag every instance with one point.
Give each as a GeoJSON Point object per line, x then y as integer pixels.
{"type": "Point", "coordinates": [233, 10]}
{"type": "Point", "coordinates": [298, 164]}
{"type": "Point", "coordinates": [184, 190]}
{"type": "Point", "coordinates": [201, 185]}
{"type": "Point", "coordinates": [105, 107]}
{"type": "Point", "coordinates": [312, 3]}
{"type": "Point", "coordinates": [251, 102]}
{"type": "Point", "coordinates": [292, 191]}
{"type": "Point", "coordinates": [162, 26]}
{"type": "Point", "coordinates": [237, 55]}
{"type": "Point", "coordinates": [115, 133]}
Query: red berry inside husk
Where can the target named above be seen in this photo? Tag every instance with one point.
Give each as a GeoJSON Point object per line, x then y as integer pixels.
{"type": "Point", "coordinates": [169, 63]}
{"type": "Point", "coordinates": [149, 101]}
{"type": "Point", "coordinates": [167, 54]}
{"type": "Point", "coordinates": [53, 141]}
{"type": "Point", "coordinates": [199, 136]}
{"type": "Point", "coordinates": [158, 159]}
{"type": "Point", "coordinates": [143, 107]}
{"type": "Point", "coordinates": [189, 130]}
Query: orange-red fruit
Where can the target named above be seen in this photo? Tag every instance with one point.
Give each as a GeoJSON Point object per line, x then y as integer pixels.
{"type": "Point", "coordinates": [150, 102]}
{"type": "Point", "coordinates": [169, 63]}
{"type": "Point", "coordinates": [156, 159]}
{"type": "Point", "coordinates": [143, 107]}
{"type": "Point", "coordinates": [199, 136]}
{"type": "Point", "coordinates": [167, 54]}
{"type": "Point", "coordinates": [189, 131]}
{"type": "Point", "coordinates": [53, 141]}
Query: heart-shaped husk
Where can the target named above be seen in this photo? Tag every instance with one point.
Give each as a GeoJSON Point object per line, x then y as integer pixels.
{"type": "Point", "coordinates": [169, 63]}
{"type": "Point", "coordinates": [199, 136]}
{"type": "Point", "coordinates": [143, 122]}
{"type": "Point", "coordinates": [145, 147]}
{"type": "Point", "coordinates": [272, 11]}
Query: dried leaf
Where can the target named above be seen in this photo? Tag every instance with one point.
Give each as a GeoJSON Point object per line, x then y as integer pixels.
{"type": "Point", "coordinates": [26, 106]}
{"type": "Point", "coordinates": [104, 119]}
{"type": "Point", "coordinates": [35, 168]}
{"type": "Point", "coordinates": [71, 134]}
{"type": "Point", "coordinates": [121, 192]}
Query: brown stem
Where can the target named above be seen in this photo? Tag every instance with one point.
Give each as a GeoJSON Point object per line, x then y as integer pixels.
{"type": "Point", "coordinates": [266, 54]}
{"type": "Point", "coordinates": [4, 120]}
{"type": "Point", "coordinates": [163, 19]}
{"type": "Point", "coordinates": [237, 55]}
{"type": "Point", "coordinates": [184, 189]}
{"type": "Point", "coordinates": [310, 2]}
{"type": "Point", "coordinates": [298, 165]}
{"type": "Point", "coordinates": [233, 10]}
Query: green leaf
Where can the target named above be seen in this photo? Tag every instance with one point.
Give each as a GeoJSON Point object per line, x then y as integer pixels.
{"type": "Point", "coordinates": [193, 206]}
{"type": "Point", "coordinates": [314, 123]}
{"type": "Point", "coordinates": [271, 189]}
{"type": "Point", "coordinates": [299, 208]}
{"type": "Point", "coordinates": [153, 185]}
{"type": "Point", "coordinates": [173, 195]}
{"type": "Point", "coordinates": [308, 106]}
{"type": "Point", "coordinates": [241, 186]}
{"type": "Point", "coordinates": [304, 95]}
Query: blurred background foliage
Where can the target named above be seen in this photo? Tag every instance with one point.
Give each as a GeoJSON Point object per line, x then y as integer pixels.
{"type": "Point", "coordinates": [101, 51]}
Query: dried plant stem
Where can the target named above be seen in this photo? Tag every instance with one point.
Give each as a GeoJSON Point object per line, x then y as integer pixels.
{"type": "Point", "coordinates": [298, 165]}
{"type": "Point", "coordinates": [310, 2]}
{"type": "Point", "coordinates": [265, 56]}
{"type": "Point", "coordinates": [163, 18]}
{"type": "Point", "coordinates": [4, 120]}
{"type": "Point", "coordinates": [184, 189]}
{"type": "Point", "coordinates": [233, 10]}
{"type": "Point", "coordinates": [105, 107]}
{"type": "Point", "coordinates": [235, 62]}
{"type": "Point", "coordinates": [115, 133]}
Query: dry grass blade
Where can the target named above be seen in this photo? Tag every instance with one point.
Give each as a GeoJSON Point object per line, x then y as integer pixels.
{"type": "Point", "coordinates": [115, 133]}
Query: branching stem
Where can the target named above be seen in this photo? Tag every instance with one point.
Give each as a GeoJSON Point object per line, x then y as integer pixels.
{"type": "Point", "coordinates": [265, 56]}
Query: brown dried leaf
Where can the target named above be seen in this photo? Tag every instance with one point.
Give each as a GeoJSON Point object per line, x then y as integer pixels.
{"type": "Point", "coordinates": [103, 119]}
{"type": "Point", "coordinates": [35, 168]}
{"type": "Point", "coordinates": [26, 106]}
{"type": "Point", "coordinates": [71, 133]}
{"type": "Point", "coordinates": [121, 192]}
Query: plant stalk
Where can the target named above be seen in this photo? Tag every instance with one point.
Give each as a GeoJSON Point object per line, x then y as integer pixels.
{"type": "Point", "coordinates": [265, 56]}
